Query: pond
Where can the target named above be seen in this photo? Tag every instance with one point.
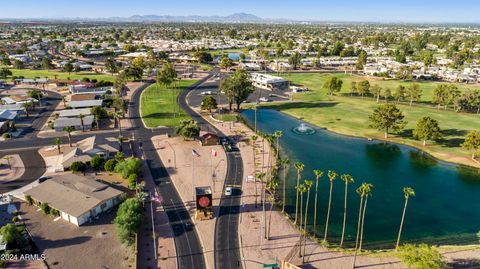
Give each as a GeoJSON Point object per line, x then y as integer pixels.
{"type": "Point", "coordinates": [446, 209]}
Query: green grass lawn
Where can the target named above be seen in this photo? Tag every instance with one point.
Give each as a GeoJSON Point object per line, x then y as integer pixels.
{"type": "Point", "coordinates": [314, 82]}
{"type": "Point", "coordinates": [228, 117]}
{"type": "Point", "coordinates": [28, 73]}
{"type": "Point", "coordinates": [157, 105]}
{"type": "Point", "coordinates": [349, 116]}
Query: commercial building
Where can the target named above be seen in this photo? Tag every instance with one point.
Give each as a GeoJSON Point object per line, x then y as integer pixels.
{"type": "Point", "coordinates": [269, 82]}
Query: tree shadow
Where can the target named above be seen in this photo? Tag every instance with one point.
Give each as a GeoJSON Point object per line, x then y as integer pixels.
{"type": "Point", "coordinates": [464, 263]}
{"type": "Point", "coordinates": [291, 105]}
{"type": "Point", "coordinates": [454, 132]}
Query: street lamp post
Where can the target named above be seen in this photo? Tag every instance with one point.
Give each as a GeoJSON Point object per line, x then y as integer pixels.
{"type": "Point", "coordinates": [174, 155]}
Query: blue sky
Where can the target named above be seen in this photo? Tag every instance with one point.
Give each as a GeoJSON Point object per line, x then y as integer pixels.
{"type": "Point", "coordinates": [332, 10]}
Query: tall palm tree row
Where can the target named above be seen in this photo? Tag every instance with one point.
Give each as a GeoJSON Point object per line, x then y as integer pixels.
{"type": "Point", "coordinates": [285, 162]}
{"type": "Point", "coordinates": [301, 188]}
{"type": "Point", "coordinates": [318, 175]}
{"type": "Point", "coordinates": [308, 185]}
{"type": "Point", "coordinates": [299, 167]}
{"type": "Point", "coordinates": [407, 192]}
{"type": "Point", "coordinates": [347, 179]}
{"type": "Point", "coordinates": [364, 191]}
{"type": "Point", "coordinates": [272, 187]}
{"type": "Point", "coordinates": [332, 175]}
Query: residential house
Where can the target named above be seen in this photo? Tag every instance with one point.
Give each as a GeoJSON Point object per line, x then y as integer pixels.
{"type": "Point", "coordinates": [87, 148]}
{"type": "Point", "coordinates": [78, 199]}
{"type": "Point", "coordinates": [61, 123]}
{"type": "Point", "coordinates": [86, 103]}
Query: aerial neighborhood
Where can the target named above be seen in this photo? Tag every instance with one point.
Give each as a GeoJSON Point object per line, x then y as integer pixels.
{"type": "Point", "coordinates": [236, 141]}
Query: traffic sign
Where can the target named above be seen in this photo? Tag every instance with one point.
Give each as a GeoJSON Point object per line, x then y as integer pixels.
{"type": "Point", "coordinates": [270, 265]}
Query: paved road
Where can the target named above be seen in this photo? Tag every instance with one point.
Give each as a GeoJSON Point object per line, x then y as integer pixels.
{"type": "Point", "coordinates": [187, 243]}
{"type": "Point", "coordinates": [227, 245]}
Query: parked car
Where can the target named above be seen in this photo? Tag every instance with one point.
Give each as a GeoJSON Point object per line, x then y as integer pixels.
{"type": "Point", "coordinates": [263, 99]}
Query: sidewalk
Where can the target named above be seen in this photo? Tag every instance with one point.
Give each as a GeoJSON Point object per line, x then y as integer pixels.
{"type": "Point", "coordinates": [175, 151]}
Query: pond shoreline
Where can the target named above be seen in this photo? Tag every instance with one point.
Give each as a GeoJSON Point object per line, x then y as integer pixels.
{"type": "Point", "coordinates": [422, 149]}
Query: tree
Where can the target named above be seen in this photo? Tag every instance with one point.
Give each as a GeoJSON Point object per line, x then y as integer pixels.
{"type": "Point", "coordinates": [81, 117]}
{"type": "Point", "coordinates": [166, 76]}
{"type": "Point", "coordinates": [362, 59]}
{"type": "Point", "coordinates": [128, 166]}
{"type": "Point", "coordinates": [272, 187]}
{"type": "Point", "coordinates": [225, 62]}
{"type": "Point", "coordinates": [413, 92]}
{"type": "Point", "coordinates": [260, 177]}
{"type": "Point", "coordinates": [427, 129]}
{"type": "Point", "coordinates": [422, 256]}
{"type": "Point", "coordinates": [132, 181]}
{"type": "Point", "coordinates": [363, 88]}
{"type": "Point", "coordinates": [133, 72]}
{"type": "Point", "coordinates": [13, 235]}
{"type": "Point", "coordinates": [110, 165]}
{"type": "Point", "coordinates": [5, 72]}
{"type": "Point", "coordinates": [277, 134]}
{"type": "Point", "coordinates": [377, 90]}
{"type": "Point", "coordinates": [26, 107]}
{"type": "Point", "coordinates": [209, 103]}
{"type": "Point", "coordinates": [68, 67]}
{"type": "Point", "coordinates": [47, 63]}
{"type": "Point", "coordinates": [353, 88]}
{"type": "Point", "coordinates": [78, 166]}
{"type": "Point", "coordinates": [237, 87]}
{"type": "Point", "coordinates": [203, 57]}
{"type": "Point", "coordinates": [97, 163]}
{"type": "Point", "coordinates": [472, 142]}
{"type": "Point", "coordinates": [399, 93]}
{"type": "Point", "coordinates": [347, 179]}
{"type": "Point", "coordinates": [333, 85]}
{"type": "Point", "coordinates": [188, 129]}
{"type": "Point", "coordinates": [332, 175]}
{"type": "Point", "coordinates": [69, 130]}
{"type": "Point", "coordinates": [318, 174]}
{"type": "Point", "coordinates": [387, 118]}
{"type": "Point", "coordinates": [301, 188]}
{"type": "Point", "coordinates": [364, 191]}
{"type": "Point", "coordinates": [284, 162]}
{"type": "Point", "coordinates": [299, 167]}
{"type": "Point", "coordinates": [294, 60]}
{"type": "Point", "coordinates": [112, 66]}
{"type": "Point", "coordinates": [407, 192]}
{"type": "Point", "coordinates": [128, 220]}
{"type": "Point", "coordinates": [57, 143]}
{"type": "Point", "coordinates": [308, 186]}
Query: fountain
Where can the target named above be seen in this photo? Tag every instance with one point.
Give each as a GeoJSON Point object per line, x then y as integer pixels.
{"type": "Point", "coordinates": [303, 129]}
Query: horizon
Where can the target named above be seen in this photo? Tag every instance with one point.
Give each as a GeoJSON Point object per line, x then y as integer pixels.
{"type": "Point", "coordinates": [303, 10]}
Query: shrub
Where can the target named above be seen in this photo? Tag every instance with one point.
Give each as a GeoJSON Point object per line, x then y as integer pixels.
{"type": "Point", "coordinates": [96, 163]}
{"type": "Point", "coordinates": [132, 181]}
{"type": "Point", "coordinates": [54, 212]}
{"type": "Point", "coordinates": [78, 167]}
{"type": "Point", "coordinates": [15, 219]}
{"type": "Point", "coordinates": [128, 166]}
{"type": "Point", "coordinates": [29, 199]}
{"type": "Point", "coordinates": [45, 208]}
{"type": "Point", "coordinates": [6, 135]}
{"type": "Point", "coordinates": [422, 256]}
{"type": "Point", "coordinates": [16, 212]}
{"type": "Point", "coordinates": [110, 165]}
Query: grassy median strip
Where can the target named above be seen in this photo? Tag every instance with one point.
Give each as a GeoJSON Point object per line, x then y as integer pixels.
{"type": "Point", "coordinates": [159, 105]}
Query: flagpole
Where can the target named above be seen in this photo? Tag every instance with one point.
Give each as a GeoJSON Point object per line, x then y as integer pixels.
{"type": "Point", "coordinates": [211, 171]}
{"type": "Point", "coordinates": [193, 173]}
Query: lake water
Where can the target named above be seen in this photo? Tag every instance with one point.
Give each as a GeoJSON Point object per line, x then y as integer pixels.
{"type": "Point", "coordinates": [446, 209]}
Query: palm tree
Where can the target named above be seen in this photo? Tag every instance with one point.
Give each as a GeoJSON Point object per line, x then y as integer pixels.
{"type": "Point", "coordinates": [272, 186]}
{"type": "Point", "coordinates": [301, 188]}
{"type": "Point", "coordinates": [277, 135]}
{"type": "Point", "coordinates": [26, 107]}
{"type": "Point", "coordinates": [254, 139]}
{"type": "Point", "coordinates": [57, 143]}
{"type": "Point", "coordinates": [81, 116]}
{"type": "Point", "coordinates": [8, 158]}
{"type": "Point", "coordinates": [299, 166]}
{"type": "Point", "coordinates": [318, 175]}
{"type": "Point", "coordinates": [118, 116]}
{"type": "Point", "coordinates": [284, 162]}
{"type": "Point", "coordinates": [308, 186]}
{"type": "Point", "coordinates": [260, 177]}
{"type": "Point", "coordinates": [407, 192]}
{"type": "Point", "coordinates": [347, 179]}
{"type": "Point", "coordinates": [368, 191]}
{"type": "Point", "coordinates": [362, 191]}
{"type": "Point", "coordinates": [64, 99]}
{"type": "Point", "coordinates": [332, 175]}
{"type": "Point", "coordinates": [69, 130]}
